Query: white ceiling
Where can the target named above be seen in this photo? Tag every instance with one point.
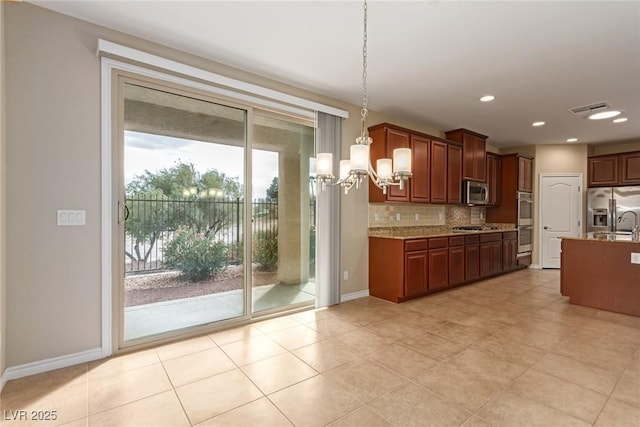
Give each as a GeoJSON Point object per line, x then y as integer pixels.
{"type": "Point", "coordinates": [429, 61]}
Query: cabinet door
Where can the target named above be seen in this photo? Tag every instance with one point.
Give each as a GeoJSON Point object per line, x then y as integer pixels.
{"type": "Point", "coordinates": [419, 182]}
{"type": "Point", "coordinates": [525, 174]}
{"type": "Point", "coordinates": [438, 172]}
{"type": "Point", "coordinates": [603, 171]}
{"type": "Point", "coordinates": [496, 257]}
{"type": "Point", "coordinates": [480, 146]}
{"type": "Point", "coordinates": [473, 166]}
{"type": "Point", "coordinates": [397, 139]}
{"type": "Point", "coordinates": [490, 258]}
{"type": "Point", "coordinates": [471, 262]}
{"type": "Point", "coordinates": [630, 168]}
{"type": "Point", "coordinates": [509, 254]}
{"type": "Point", "coordinates": [493, 178]}
{"type": "Point", "coordinates": [456, 265]}
{"type": "Point", "coordinates": [438, 268]}
{"type": "Point", "coordinates": [454, 174]}
{"type": "Point", "coordinates": [415, 273]}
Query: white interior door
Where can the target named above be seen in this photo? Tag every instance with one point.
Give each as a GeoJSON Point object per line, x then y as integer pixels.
{"type": "Point", "coordinates": [560, 213]}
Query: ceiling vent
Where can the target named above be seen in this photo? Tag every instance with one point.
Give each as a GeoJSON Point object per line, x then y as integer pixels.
{"type": "Point", "coordinates": [589, 108]}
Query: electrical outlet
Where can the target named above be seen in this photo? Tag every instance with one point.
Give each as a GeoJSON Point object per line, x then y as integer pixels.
{"type": "Point", "coordinates": [376, 217]}
{"type": "Point", "coordinates": [481, 215]}
{"type": "Point", "coordinates": [440, 216]}
{"type": "Point", "coordinates": [345, 275]}
{"type": "Point", "coordinates": [398, 216]}
{"type": "Point", "coordinates": [635, 258]}
{"type": "Point", "coordinates": [417, 217]}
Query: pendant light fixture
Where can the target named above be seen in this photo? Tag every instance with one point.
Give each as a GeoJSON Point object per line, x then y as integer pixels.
{"type": "Point", "coordinates": [353, 171]}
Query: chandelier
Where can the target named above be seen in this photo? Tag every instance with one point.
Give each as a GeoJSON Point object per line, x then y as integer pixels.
{"type": "Point", "coordinates": [354, 170]}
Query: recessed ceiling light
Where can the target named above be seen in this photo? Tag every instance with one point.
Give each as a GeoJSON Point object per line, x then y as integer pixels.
{"type": "Point", "coordinates": [620, 120]}
{"type": "Point", "coordinates": [572, 140]}
{"type": "Point", "coordinates": [604, 115]}
{"type": "Point", "coordinates": [487, 98]}
{"type": "Point", "coordinates": [537, 124]}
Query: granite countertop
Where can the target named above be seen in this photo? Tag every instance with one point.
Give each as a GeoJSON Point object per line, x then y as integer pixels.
{"type": "Point", "coordinates": [619, 238]}
{"type": "Point", "coordinates": [423, 232]}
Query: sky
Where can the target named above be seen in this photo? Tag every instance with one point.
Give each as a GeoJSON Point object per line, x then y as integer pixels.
{"type": "Point", "coordinates": [154, 152]}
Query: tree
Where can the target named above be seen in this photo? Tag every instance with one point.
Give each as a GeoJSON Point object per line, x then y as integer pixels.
{"type": "Point", "coordinates": [272, 191]}
{"type": "Point", "coordinates": [176, 198]}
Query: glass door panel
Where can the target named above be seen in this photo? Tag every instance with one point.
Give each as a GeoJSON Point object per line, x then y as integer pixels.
{"type": "Point", "coordinates": [183, 245]}
{"type": "Point", "coordinates": [283, 214]}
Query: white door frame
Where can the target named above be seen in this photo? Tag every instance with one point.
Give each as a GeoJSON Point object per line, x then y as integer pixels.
{"type": "Point", "coordinates": [580, 176]}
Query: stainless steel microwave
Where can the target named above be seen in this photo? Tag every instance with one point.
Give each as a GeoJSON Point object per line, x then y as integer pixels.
{"type": "Point", "coordinates": [475, 193]}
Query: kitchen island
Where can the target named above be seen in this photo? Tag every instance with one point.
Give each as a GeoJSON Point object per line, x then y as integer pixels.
{"type": "Point", "coordinates": [599, 273]}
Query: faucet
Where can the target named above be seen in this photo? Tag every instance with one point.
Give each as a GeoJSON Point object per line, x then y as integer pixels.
{"type": "Point", "coordinates": [635, 231]}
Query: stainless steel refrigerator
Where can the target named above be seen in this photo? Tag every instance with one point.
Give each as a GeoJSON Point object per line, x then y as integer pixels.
{"type": "Point", "coordinates": [606, 204]}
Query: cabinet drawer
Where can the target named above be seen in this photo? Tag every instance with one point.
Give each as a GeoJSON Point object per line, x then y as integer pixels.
{"type": "Point", "coordinates": [491, 237]}
{"type": "Point", "coordinates": [456, 241]}
{"type": "Point", "coordinates": [438, 242]}
{"type": "Point", "coordinates": [472, 240]}
{"type": "Point", "coordinates": [510, 235]}
{"type": "Point", "coordinates": [415, 245]}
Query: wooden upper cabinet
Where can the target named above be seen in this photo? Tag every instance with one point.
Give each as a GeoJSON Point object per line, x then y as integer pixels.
{"type": "Point", "coordinates": [419, 183]}
{"type": "Point", "coordinates": [397, 139]}
{"type": "Point", "coordinates": [473, 153]}
{"type": "Point", "coordinates": [493, 178]}
{"type": "Point", "coordinates": [603, 171]}
{"type": "Point", "coordinates": [630, 168]}
{"type": "Point", "coordinates": [385, 140]}
{"type": "Point", "coordinates": [454, 173]}
{"type": "Point", "coordinates": [438, 172]}
{"type": "Point", "coordinates": [525, 174]}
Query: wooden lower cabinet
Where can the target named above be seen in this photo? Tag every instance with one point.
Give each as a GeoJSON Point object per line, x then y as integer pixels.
{"type": "Point", "coordinates": [402, 269]}
{"type": "Point", "coordinates": [456, 260]}
{"type": "Point", "coordinates": [438, 273]}
{"type": "Point", "coordinates": [490, 254]}
{"type": "Point", "coordinates": [472, 258]}
{"type": "Point", "coordinates": [415, 273]}
{"type": "Point", "coordinates": [509, 251]}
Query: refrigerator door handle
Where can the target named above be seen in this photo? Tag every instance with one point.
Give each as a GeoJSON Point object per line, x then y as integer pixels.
{"type": "Point", "coordinates": [613, 215]}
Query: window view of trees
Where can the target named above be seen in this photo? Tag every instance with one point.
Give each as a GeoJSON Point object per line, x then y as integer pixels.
{"type": "Point", "coordinates": [178, 199]}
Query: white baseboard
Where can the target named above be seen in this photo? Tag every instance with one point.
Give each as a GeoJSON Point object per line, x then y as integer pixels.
{"type": "Point", "coordinates": [41, 366]}
{"type": "Point", "coordinates": [354, 295]}
{"type": "Point", "coordinates": [3, 381]}
{"type": "Point", "coordinates": [535, 266]}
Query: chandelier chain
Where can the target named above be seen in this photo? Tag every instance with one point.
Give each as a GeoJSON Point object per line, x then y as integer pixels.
{"type": "Point", "coordinates": [364, 75]}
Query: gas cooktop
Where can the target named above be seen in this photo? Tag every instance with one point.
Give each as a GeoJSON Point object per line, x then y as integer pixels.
{"type": "Point", "coordinates": [464, 228]}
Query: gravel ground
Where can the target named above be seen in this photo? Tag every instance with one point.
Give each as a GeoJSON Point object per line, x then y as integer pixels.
{"type": "Point", "coordinates": [166, 286]}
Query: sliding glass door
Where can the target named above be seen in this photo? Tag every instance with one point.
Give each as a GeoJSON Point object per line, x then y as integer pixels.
{"type": "Point", "coordinates": [283, 215]}
{"type": "Point", "coordinates": [217, 211]}
{"type": "Point", "coordinates": [184, 171]}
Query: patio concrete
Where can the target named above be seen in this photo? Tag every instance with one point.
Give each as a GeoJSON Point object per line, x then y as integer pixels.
{"type": "Point", "coordinates": [152, 319]}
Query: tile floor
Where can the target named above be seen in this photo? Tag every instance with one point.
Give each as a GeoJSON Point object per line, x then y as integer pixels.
{"type": "Point", "coordinates": [508, 351]}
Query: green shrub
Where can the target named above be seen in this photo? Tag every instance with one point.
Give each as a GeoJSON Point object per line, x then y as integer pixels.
{"type": "Point", "coordinates": [265, 249]}
{"type": "Point", "coordinates": [196, 256]}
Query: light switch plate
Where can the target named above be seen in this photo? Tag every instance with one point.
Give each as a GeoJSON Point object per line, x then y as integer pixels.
{"type": "Point", "coordinates": [71, 217]}
{"type": "Point", "coordinates": [635, 258]}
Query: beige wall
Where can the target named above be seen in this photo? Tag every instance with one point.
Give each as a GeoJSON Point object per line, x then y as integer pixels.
{"type": "Point", "coordinates": [597, 150]}
{"type": "Point", "coordinates": [3, 300]}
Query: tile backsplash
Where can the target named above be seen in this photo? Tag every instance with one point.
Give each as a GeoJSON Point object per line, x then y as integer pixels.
{"type": "Point", "coordinates": [408, 214]}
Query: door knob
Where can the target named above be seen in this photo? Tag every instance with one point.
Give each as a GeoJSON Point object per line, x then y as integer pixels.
{"type": "Point", "coordinates": [547, 228]}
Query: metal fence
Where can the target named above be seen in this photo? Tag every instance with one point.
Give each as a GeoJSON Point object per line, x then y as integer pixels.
{"type": "Point", "coordinates": [152, 223]}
